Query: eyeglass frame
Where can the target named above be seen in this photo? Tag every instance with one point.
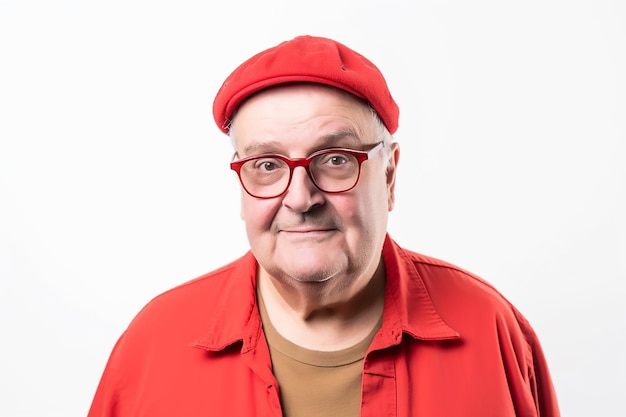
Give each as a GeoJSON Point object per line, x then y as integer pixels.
{"type": "Point", "coordinates": [293, 163]}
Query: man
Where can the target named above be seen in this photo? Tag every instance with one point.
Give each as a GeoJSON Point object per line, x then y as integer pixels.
{"type": "Point", "coordinates": [326, 315]}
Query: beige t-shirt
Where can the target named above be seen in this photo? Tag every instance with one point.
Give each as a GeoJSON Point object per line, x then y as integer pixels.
{"type": "Point", "coordinates": [316, 383]}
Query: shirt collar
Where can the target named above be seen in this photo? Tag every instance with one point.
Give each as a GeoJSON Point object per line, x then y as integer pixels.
{"type": "Point", "coordinates": [235, 318]}
{"type": "Point", "coordinates": [408, 306]}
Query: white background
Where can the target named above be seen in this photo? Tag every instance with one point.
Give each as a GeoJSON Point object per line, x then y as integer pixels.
{"type": "Point", "coordinates": [114, 183]}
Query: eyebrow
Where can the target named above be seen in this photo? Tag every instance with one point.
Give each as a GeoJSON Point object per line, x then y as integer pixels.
{"type": "Point", "coordinates": [340, 139]}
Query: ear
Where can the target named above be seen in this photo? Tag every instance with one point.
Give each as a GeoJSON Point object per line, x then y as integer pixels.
{"type": "Point", "coordinates": [391, 175]}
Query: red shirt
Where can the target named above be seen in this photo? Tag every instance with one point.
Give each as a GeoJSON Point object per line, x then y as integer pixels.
{"type": "Point", "coordinates": [450, 346]}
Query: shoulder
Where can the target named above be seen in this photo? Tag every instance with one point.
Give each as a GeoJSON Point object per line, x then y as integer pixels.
{"type": "Point", "coordinates": [211, 285]}
{"type": "Point", "coordinates": [438, 275]}
{"type": "Point", "coordinates": [190, 304]}
{"type": "Point", "coordinates": [436, 272]}
{"type": "Point", "coordinates": [462, 297]}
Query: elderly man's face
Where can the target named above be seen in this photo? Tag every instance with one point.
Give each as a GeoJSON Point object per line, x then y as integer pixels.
{"type": "Point", "coordinates": [305, 234]}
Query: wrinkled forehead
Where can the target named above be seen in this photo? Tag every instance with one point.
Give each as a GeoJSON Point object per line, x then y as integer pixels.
{"type": "Point", "coordinates": [288, 105]}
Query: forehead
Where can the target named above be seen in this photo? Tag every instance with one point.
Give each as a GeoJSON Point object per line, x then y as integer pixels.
{"type": "Point", "coordinates": [300, 115]}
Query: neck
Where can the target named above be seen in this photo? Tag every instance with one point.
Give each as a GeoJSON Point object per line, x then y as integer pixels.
{"type": "Point", "coordinates": [318, 316]}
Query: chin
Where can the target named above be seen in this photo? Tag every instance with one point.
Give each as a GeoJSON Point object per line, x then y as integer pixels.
{"type": "Point", "coordinates": [310, 278]}
{"type": "Point", "coordinates": [313, 269]}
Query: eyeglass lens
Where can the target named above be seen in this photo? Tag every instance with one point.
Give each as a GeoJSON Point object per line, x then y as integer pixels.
{"type": "Point", "coordinates": [269, 176]}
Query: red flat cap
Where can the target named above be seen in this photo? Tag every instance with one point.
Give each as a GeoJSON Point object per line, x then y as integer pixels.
{"type": "Point", "coordinates": [309, 59]}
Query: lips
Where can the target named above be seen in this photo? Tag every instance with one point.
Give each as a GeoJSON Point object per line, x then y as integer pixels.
{"type": "Point", "coordinates": [307, 232]}
{"type": "Point", "coordinates": [317, 230]}
{"type": "Point", "coordinates": [306, 227]}
{"type": "Point", "coordinates": [309, 225]}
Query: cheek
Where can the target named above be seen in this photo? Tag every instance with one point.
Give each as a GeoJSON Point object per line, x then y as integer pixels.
{"type": "Point", "coordinates": [258, 214]}
{"type": "Point", "coordinates": [369, 210]}
{"type": "Point", "coordinates": [357, 211]}
{"type": "Point", "coordinates": [373, 190]}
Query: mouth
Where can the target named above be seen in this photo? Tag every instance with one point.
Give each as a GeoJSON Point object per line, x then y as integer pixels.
{"type": "Point", "coordinates": [312, 233]}
{"type": "Point", "coordinates": [307, 230]}
{"type": "Point", "coordinates": [304, 232]}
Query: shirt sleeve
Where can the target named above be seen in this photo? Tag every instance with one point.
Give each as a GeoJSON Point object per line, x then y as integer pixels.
{"type": "Point", "coordinates": [539, 378]}
{"type": "Point", "coordinates": [104, 403]}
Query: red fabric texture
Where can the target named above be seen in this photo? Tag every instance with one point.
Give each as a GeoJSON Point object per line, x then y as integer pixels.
{"type": "Point", "coordinates": [307, 59]}
{"type": "Point", "coordinates": [449, 345]}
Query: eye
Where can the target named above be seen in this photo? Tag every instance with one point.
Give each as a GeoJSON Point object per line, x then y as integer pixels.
{"type": "Point", "coordinates": [334, 159]}
{"type": "Point", "coordinates": [267, 164]}
{"type": "Point", "coordinates": [337, 159]}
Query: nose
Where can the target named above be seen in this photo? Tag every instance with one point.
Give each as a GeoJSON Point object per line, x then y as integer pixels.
{"type": "Point", "coordinates": [302, 195]}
